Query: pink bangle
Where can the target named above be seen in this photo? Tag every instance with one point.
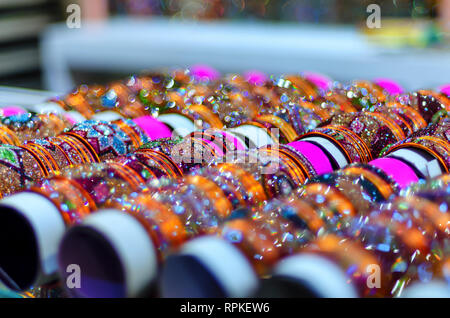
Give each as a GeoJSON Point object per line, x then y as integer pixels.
{"type": "Point", "coordinates": [204, 72]}
{"type": "Point", "coordinates": [445, 89]}
{"type": "Point", "coordinates": [153, 127]}
{"type": "Point", "coordinates": [255, 77]}
{"type": "Point", "coordinates": [321, 81]}
{"type": "Point", "coordinates": [390, 86]}
{"type": "Point", "coordinates": [13, 110]}
{"type": "Point", "coordinates": [403, 174]}
{"type": "Point", "coordinates": [315, 155]}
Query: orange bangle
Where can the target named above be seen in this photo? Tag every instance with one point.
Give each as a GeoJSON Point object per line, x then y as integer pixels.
{"type": "Point", "coordinates": [322, 113]}
{"type": "Point", "coordinates": [169, 227]}
{"type": "Point", "coordinates": [293, 165]}
{"type": "Point", "coordinates": [44, 156]}
{"type": "Point", "coordinates": [207, 115]}
{"type": "Point", "coordinates": [395, 129]}
{"type": "Point", "coordinates": [385, 188]}
{"type": "Point", "coordinates": [254, 188]}
{"type": "Point", "coordinates": [78, 102]}
{"type": "Point", "coordinates": [129, 175]}
{"type": "Point", "coordinates": [332, 197]}
{"type": "Point", "coordinates": [221, 204]}
{"type": "Point", "coordinates": [360, 145]}
{"type": "Point", "coordinates": [373, 89]}
{"type": "Point", "coordinates": [80, 202]}
{"type": "Point", "coordinates": [165, 161]}
{"type": "Point", "coordinates": [41, 164]}
{"type": "Point", "coordinates": [413, 115]}
{"type": "Point", "coordinates": [286, 129]}
{"type": "Point", "coordinates": [344, 104]}
{"type": "Point", "coordinates": [135, 140]}
{"type": "Point", "coordinates": [7, 136]}
{"type": "Point", "coordinates": [82, 145]}
{"type": "Point", "coordinates": [303, 85]}
{"type": "Point", "coordinates": [64, 139]}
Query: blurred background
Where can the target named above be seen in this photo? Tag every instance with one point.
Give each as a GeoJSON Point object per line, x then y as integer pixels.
{"type": "Point", "coordinates": [39, 50]}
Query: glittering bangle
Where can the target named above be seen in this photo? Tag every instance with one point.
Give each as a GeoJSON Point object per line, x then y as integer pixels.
{"type": "Point", "coordinates": [56, 152]}
{"type": "Point", "coordinates": [323, 196]}
{"type": "Point", "coordinates": [206, 115]}
{"type": "Point", "coordinates": [431, 218]}
{"type": "Point", "coordinates": [324, 114]}
{"type": "Point", "coordinates": [216, 145]}
{"type": "Point", "coordinates": [164, 148]}
{"type": "Point", "coordinates": [439, 130]}
{"type": "Point", "coordinates": [378, 131]}
{"type": "Point", "coordinates": [384, 184]}
{"type": "Point", "coordinates": [303, 86]}
{"type": "Point", "coordinates": [127, 174]}
{"type": "Point", "coordinates": [8, 137]}
{"type": "Point", "coordinates": [360, 192]}
{"type": "Point", "coordinates": [164, 227]}
{"type": "Point", "coordinates": [146, 168]}
{"type": "Point", "coordinates": [29, 126]}
{"type": "Point", "coordinates": [307, 168]}
{"type": "Point", "coordinates": [289, 165]}
{"type": "Point", "coordinates": [431, 105]}
{"type": "Point", "coordinates": [271, 121]}
{"type": "Point", "coordinates": [165, 163]}
{"type": "Point", "coordinates": [44, 157]}
{"type": "Point", "coordinates": [192, 203]}
{"type": "Point", "coordinates": [394, 115]}
{"type": "Point", "coordinates": [411, 115]}
{"type": "Point", "coordinates": [360, 145]}
{"type": "Point", "coordinates": [305, 215]}
{"type": "Point", "coordinates": [351, 145]}
{"type": "Point", "coordinates": [77, 101]}
{"type": "Point", "coordinates": [134, 137]}
{"type": "Point", "coordinates": [393, 127]}
{"type": "Point", "coordinates": [262, 234]}
{"type": "Point", "coordinates": [254, 189]}
{"type": "Point", "coordinates": [342, 102]}
{"type": "Point", "coordinates": [213, 193]}
{"type": "Point", "coordinates": [105, 181]}
{"type": "Point", "coordinates": [82, 147]}
{"type": "Point", "coordinates": [372, 88]}
{"type": "Point", "coordinates": [68, 147]}
{"type": "Point", "coordinates": [73, 202]}
{"type": "Point", "coordinates": [237, 195]}
{"type": "Point", "coordinates": [255, 243]}
{"type": "Point", "coordinates": [106, 140]}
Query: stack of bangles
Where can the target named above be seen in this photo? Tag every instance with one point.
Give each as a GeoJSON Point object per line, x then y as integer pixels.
{"type": "Point", "coordinates": [297, 193]}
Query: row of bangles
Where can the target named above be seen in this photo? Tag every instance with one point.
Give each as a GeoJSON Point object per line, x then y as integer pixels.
{"type": "Point", "coordinates": [190, 184]}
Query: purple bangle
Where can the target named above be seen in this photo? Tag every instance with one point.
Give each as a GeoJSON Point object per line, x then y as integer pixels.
{"type": "Point", "coordinates": [403, 174]}
{"type": "Point", "coordinates": [153, 127]}
{"type": "Point", "coordinates": [315, 155]}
